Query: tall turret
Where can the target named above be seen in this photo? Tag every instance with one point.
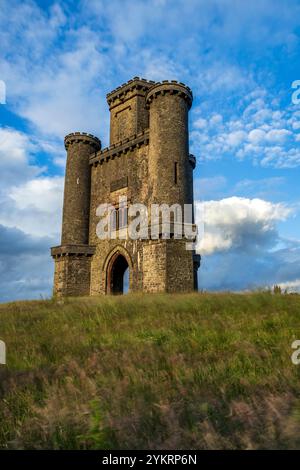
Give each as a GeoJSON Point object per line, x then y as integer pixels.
{"type": "Point", "coordinates": [75, 225]}
{"type": "Point", "coordinates": [171, 178]}
{"type": "Point", "coordinates": [73, 256]}
{"type": "Point", "coordinates": [170, 168]}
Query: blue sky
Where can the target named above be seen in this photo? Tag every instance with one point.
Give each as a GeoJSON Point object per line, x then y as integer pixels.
{"type": "Point", "coordinates": [58, 61]}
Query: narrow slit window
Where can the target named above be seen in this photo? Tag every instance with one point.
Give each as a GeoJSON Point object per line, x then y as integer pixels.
{"type": "Point", "coordinates": [114, 219]}
{"type": "Point", "coordinates": [119, 217]}
{"type": "Point", "coordinates": [122, 216]}
{"type": "Point", "coordinates": [175, 172]}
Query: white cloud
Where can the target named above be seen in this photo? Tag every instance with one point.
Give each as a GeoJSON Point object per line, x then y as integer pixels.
{"type": "Point", "coordinates": [30, 201]}
{"type": "Point", "coordinates": [43, 194]}
{"type": "Point", "coordinates": [237, 222]}
{"type": "Point", "coordinates": [34, 207]}
{"type": "Point", "coordinates": [280, 158]}
{"type": "Point", "coordinates": [234, 139]}
{"type": "Point", "coordinates": [241, 247]}
{"type": "Point", "coordinates": [278, 135]}
{"type": "Point", "coordinates": [256, 136]}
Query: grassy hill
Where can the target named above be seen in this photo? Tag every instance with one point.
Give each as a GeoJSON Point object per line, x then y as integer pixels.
{"type": "Point", "coordinates": [156, 371]}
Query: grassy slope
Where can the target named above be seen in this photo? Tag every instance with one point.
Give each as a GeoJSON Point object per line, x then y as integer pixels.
{"type": "Point", "coordinates": [186, 371]}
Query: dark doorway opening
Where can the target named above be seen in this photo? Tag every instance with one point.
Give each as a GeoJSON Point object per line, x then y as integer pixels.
{"type": "Point", "coordinates": [118, 275]}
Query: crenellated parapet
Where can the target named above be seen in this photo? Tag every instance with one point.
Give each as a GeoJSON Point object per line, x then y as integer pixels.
{"type": "Point", "coordinates": [77, 137]}
{"type": "Point", "coordinates": [129, 89]}
{"type": "Point", "coordinates": [122, 147]}
{"type": "Point", "coordinates": [170, 87]}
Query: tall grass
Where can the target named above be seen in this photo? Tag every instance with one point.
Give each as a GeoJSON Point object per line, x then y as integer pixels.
{"type": "Point", "coordinates": [151, 371]}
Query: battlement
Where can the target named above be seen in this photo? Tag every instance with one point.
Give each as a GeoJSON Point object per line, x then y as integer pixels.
{"type": "Point", "coordinates": [172, 87]}
{"type": "Point", "coordinates": [116, 150]}
{"type": "Point", "coordinates": [75, 137]}
{"type": "Point", "coordinates": [134, 85]}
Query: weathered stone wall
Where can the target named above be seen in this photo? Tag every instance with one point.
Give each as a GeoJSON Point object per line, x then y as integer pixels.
{"type": "Point", "coordinates": [154, 266]}
{"type": "Point", "coordinates": [148, 136]}
{"type": "Point", "coordinates": [72, 276]}
{"type": "Point", "coordinates": [167, 266]}
{"type": "Point", "coordinates": [180, 268]}
{"type": "Point", "coordinates": [133, 166]}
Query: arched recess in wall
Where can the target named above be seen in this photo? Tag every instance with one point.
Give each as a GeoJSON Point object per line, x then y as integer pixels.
{"type": "Point", "coordinates": [117, 264]}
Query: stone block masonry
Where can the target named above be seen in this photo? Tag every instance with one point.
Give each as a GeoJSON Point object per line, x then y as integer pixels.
{"type": "Point", "coordinates": [148, 162]}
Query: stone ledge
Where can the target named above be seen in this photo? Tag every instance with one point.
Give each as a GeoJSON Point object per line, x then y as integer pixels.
{"type": "Point", "coordinates": [116, 150]}
{"type": "Point", "coordinates": [71, 250]}
{"type": "Point", "coordinates": [75, 137]}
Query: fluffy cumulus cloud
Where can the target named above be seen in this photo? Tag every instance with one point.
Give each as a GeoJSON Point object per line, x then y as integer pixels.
{"type": "Point", "coordinates": [241, 246]}
{"type": "Point", "coordinates": [30, 200]}
{"type": "Point", "coordinates": [239, 223]}
{"type": "Point", "coordinates": [36, 206]}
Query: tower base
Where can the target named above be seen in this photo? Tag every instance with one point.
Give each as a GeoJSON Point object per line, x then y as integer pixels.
{"type": "Point", "coordinates": [168, 266]}
{"type": "Point", "coordinates": [72, 269]}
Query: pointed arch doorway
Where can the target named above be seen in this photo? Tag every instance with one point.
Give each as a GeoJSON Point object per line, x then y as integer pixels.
{"type": "Point", "coordinates": [117, 274]}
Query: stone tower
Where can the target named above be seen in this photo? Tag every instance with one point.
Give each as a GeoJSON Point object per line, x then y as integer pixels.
{"type": "Point", "coordinates": [147, 162]}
